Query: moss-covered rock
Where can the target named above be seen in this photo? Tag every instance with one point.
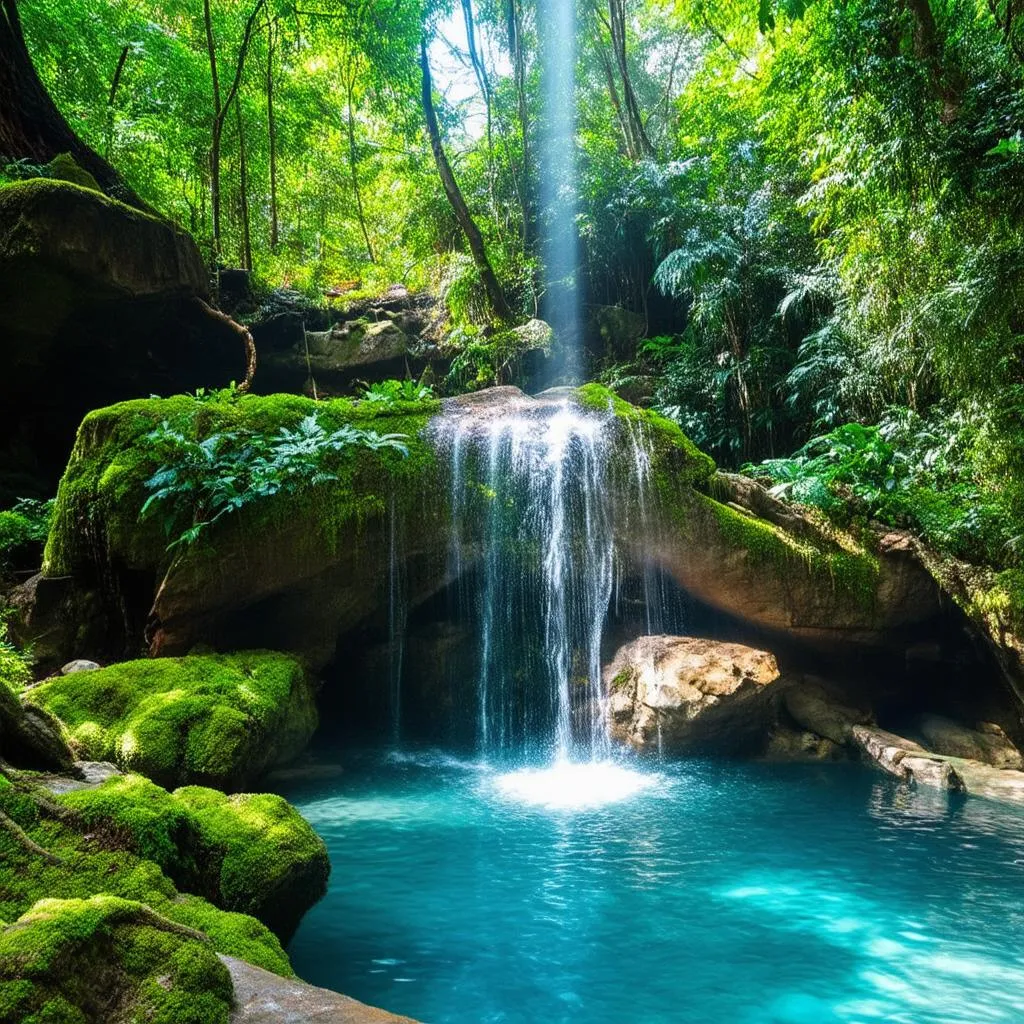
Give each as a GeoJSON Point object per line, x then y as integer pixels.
{"type": "Point", "coordinates": [263, 856]}
{"type": "Point", "coordinates": [252, 853]}
{"type": "Point", "coordinates": [292, 572]}
{"type": "Point", "coordinates": [88, 859]}
{"type": "Point", "coordinates": [220, 720]}
{"type": "Point", "coordinates": [104, 959]}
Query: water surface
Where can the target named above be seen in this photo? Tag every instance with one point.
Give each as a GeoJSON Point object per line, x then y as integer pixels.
{"type": "Point", "coordinates": [693, 893]}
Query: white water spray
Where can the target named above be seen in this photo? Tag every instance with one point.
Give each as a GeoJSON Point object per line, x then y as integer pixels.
{"type": "Point", "coordinates": [533, 495]}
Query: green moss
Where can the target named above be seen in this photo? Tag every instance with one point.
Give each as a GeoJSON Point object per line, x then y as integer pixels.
{"type": "Point", "coordinates": [103, 489]}
{"type": "Point", "coordinates": [250, 853]}
{"type": "Point", "coordinates": [851, 573]}
{"type": "Point", "coordinates": [64, 167]}
{"type": "Point", "coordinates": [220, 719]}
{"type": "Point", "coordinates": [61, 194]}
{"type": "Point", "coordinates": [107, 958]}
{"type": "Point", "coordinates": [94, 861]}
{"type": "Point", "coordinates": [1004, 600]}
{"type": "Point", "coordinates": [672, 452]}
{"type": "Point", "coordinates": [271, 863]}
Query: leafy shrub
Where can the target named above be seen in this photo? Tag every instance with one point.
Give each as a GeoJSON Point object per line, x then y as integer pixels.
{"type": "Point", "coordinates": [202, 481]}
{"type": "Point", "coordinates": [905, 472]}
{"type": "Point", "coordinates": [23, 529]}
{"type": "Point", "coordinates": [391, 392]}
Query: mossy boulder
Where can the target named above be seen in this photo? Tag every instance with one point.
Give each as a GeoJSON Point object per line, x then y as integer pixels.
{"type": "Point", "coordinates": [265, 859]}
{"type": "Point", "coordinates": [97, 304]}
{"type": "Point", "coordinates": [252, 853]}
{"type": "Point", "coordinates": [90, 857]}
{"type": "Point", "coordinates": [221, 720]}
{"type": "Point", "coordinates": [294, 571]}
{"type": "Point", "coordinates": [108, 959]}
{"type": "Point", "coordinates": [305, 571]}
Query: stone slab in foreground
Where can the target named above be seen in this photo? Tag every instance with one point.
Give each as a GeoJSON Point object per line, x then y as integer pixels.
{"type": "Point", "coordinates": [265, 998]}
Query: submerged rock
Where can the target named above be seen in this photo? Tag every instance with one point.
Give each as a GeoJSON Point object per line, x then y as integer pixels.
{"type": "Point", "coordinates": [686, 693]}
{"type": "Point", "coordinates": [220, 720]}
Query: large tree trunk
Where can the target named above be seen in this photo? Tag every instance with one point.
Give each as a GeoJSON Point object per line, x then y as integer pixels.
{"type": "Point", "coordinates": [495, 294]}
{"type": "Point", "coordinates": [31, 126]}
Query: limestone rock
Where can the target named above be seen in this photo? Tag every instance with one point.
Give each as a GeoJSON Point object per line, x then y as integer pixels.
{"type": "Point", "coordinates": [991, 746]}
{"type": "Point", "coordinates": [687, 693]}
{"type": "Point", "coordinates": [265, 998]}
{"type": "Point", "coordinates": [818, 711]}
{"type": "Point", "coordinates": [906, 759]}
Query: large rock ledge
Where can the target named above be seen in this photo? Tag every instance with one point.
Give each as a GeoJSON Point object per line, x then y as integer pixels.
{"type": "Point", "coordinates": [300, 572]}
{"type": "Point", "coordinates": [111, 296]}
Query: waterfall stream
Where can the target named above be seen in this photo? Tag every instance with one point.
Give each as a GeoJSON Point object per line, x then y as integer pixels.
{"type": "Point", "coordinates": [533, 543]}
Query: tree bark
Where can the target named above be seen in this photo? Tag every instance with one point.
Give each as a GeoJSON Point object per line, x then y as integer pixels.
{"type": "Point", "coordinates": [495, 294]}
{"type": "Point", "coordinates": [31, 126]}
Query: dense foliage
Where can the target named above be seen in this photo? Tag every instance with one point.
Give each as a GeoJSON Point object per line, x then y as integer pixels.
{"type": "Point", "coordinates": [815, 208]}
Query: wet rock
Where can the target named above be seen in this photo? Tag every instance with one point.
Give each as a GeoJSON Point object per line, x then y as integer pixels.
{"type": "Point", "coordinates": [265, 998]}
{"type": "Point", "coordinates": [991, 746]}
{"type": "Point", "coordinates": [78, 665]}
{"type": "Point", "coordinates": [906, 759]}
{"type": "Point", "coordinates": [688, 693]}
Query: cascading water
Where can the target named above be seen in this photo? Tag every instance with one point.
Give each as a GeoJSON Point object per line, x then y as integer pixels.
{"type": "Point", "coordinates": [533, 539]}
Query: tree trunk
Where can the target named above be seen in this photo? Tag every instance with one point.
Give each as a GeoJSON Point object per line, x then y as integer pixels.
{"type": "Point", "coordinates": [244, 190]}
{"type": "Point", "coordinates": [495, 294]}
{"type": "Point", "coordinates": [111, 97]}
{"type": "Point", "coordinates": [272, 138]}
{"type": "Point", "coordinates": [216, 126]}
{"type": "Point", "coordinates": [947, 85]}
{"type": "Point", "coordinates": [221, 106]}
{"type": "Point", "coordinates": [31, 126]}
{"type": "Point", "coordinates": [640, 142]}
{"type": "Point", "coordinates": [353, 156]}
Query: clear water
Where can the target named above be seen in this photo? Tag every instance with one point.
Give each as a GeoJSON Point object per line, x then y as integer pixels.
{"type": "Point", "coordinates": [693, 893]}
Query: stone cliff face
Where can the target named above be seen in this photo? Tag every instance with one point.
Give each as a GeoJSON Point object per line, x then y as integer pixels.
{"type": "Point", "coordinates": [98, 302]}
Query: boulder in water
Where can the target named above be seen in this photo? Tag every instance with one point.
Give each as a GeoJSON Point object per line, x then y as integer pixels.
{"type": "Point", "coordinates": [687, 694]}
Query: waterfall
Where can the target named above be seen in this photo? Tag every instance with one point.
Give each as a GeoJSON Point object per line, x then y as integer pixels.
{"type": "Point", "coordinates": [533, 547]}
